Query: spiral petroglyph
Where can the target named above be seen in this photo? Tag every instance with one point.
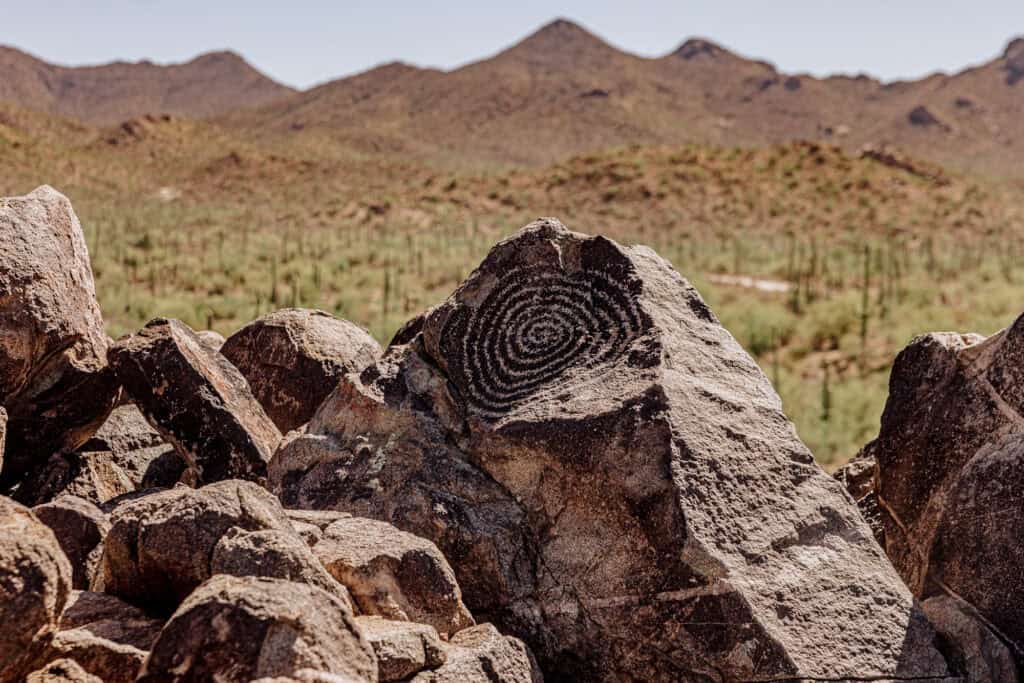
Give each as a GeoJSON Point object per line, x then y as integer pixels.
{"type": "Point", "coordinates": [536, 325]}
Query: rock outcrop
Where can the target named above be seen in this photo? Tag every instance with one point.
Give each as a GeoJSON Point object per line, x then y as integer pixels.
{"type": "Point", "coordinates": [242, 629]}
{"type": "Point", "coordinates": [35, 581]}
{"type": "Point", "coordinates": [612, 478]}
{"type": "Point", "coordinates": [294, 357]}
{"type": "Point", "coordinates": [160, 546]}
{"type": "Point", "coordinates": [53, 379]}
{"type": "Point", "coordinates": [393, 574]}
{"type": "Point", "coordinates": [197, 400]}
{"type": "Point", "coordinates": [950, 457]}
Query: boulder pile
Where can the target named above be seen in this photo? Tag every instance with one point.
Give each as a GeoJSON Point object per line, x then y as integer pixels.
{"type": "Point", "coordinates": [568, 469]}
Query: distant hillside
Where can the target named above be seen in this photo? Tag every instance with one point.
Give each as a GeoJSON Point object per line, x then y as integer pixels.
{"type": "Point", "coordinates": [208, 85]}
{"type": "Point", "coordinates": [563, 91]}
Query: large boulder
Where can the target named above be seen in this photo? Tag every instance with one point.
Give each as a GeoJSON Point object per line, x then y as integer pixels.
{"type": "Point", "coordinates": [35, 581]}
{"type": "Point", "coordinates": [53, 378]}
{"type": "Point", "coordinates": [950, 468]}
{"type": "Point", "coordinates": [241, 629]}
{"type": "Point", "coordinates": [393, 574]}
{"type": "Point", "coordinates": [197, 400]}
{"type": "Point", "coordinates": [160, 546]}
{"type": "Point", "coordinates": [80, 527]}
{"type": "Point", "coordinates": [612, 478]}
{"type": "Point", "coordinates": [294, 357]}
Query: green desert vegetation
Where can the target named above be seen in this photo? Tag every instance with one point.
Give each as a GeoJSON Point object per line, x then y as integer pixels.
{"type": "Point", "coordinates": [823, 264]}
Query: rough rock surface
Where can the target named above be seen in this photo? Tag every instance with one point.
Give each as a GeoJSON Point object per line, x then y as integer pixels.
{"type": "Point", "coordinates": [241, 629]}
{"type": "Point", "coordinates": [482, 655]}
{"type": "Point", "coordinates": [858, 478]}
{"type": "Point", "coordinates": [294, 357]}
{"type": "Point", "coordinates": [403, 648]}
{"type": "Point", "coordinates": [62, 671]}
{"type": "Point", "coordinates": [79, 527]}
{"type": "Point", "coordinates": [35, 580]}
{"type": "Point", "coordinates": [950, 456]}
{"type": "Point", "coordinates": [53, 378]}
{"type": "Point", "coordinates": [93, 476]}
{"type": "Point", "coordinates": [211, 340]}
{"type": "Point", "coordinates": [159, 546]}
{"type": "Point", "coordinates": [978, 652]}
{"type": "Point", "coordinates": [136, 448]}
{"type": "Point", "coordinates": [275, 554]}
{"type": "Point", "coordinates": [393, 574]}
{"type": "Point", "coordinates": [612, 478]}
{"type": "Point", "coordinates": [197, 400]}
{"type": "Point", "coordinates": [3, 435]}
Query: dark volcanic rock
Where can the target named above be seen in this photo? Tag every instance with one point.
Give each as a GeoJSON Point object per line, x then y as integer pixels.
{"type": "Point", "coordinates": [294, 357]}
{"type": "Point", "coordinates": [977, 651]}
{"type": "Point", "coordinates": [53, 379]}
{"type": "Point", "coordinates": [274, 554]}
{"type": "Point", "coordinates": [93, 476]}
{"type": "Point", "coordinates": [393, 574]}
{"type": "Point", "coordinates": [403, 648]}
{"type": "Point", "coordinates": [950, 459]}
{"type": "Point", "coordinates": [160, 546]}
{"type": "Point", "coordinates": [197, 400]}
{"type": "Point", "coordinates": [482, 655]}
{"type": "Point", "coordinates": [80, 527]}
{"type": "Point", "coordinates": [35, 580]}
{"type": "Point", "coordinates": [241, 629]}
{"type": "Point", "coordinates": [612, 478]}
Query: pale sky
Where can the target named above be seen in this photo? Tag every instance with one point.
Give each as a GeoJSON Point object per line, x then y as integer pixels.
{"type": "Point", "coordinates": [304, 42]}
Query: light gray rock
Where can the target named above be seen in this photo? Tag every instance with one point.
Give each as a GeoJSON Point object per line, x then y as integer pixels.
{"type": "Point", "coordinates": [62, 671]}
{"type": "Point", "coordinates": [612, 478]}
{"type": "Point", "coordinates": [197, 400]}
{"type": "Point", "coordinates": [53, 378]}
{"type": "Point", "coordinates": [80, 527]}
{"type": "Point", "coordinates": [293, 358]}
{"type": "Point", "coordinates": [403, 648]}
{"type": "Point", "coordinates": [393, 574]}
{"type": "Point", "coordinates": [35, 581]}
{"type": "Point", "coordinates": [240, 629]}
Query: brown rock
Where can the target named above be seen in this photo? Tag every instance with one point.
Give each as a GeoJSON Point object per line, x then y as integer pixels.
{"type": "Point", "coordinates": [211, 340]}
{"type": "Point", "coordinates": [3, 435]}
{"type": "Point", "coordinates": [403, 648]}
{"type": "Point", "coordinates": [241, 629]}
{"type": "Point", "coordinates": [950, 459]}
{"type": "Point", "coordinates": [93, 476]}
{"type": "Point", "coordinates": [482, 655]}
{"type": "Point", "coordinates": [197, 400]}
{"type": "Point", "coordinates": [310, 524]}
{"type": "Point", "coordinates": [393, 574]}
{"type": "Point", "coordinates": [274, 554]}
{"type": "Point", "coordinates": [978, 652]}
{"type": "Point", "coordinates": [159, 546]}
{"type": "Point", "coordinates": [79, 527]}
{"type": "Point", "coordinates": [858, 478]}
{"type": "Point", "coordinates": [62, 671]}
{"type": "Point", "coordinates": [130, 442]}
{"type": "Point", "coordinates": [35, 579]}
{"type": "Point", "coordinates": [294, 357]}
{"type": "Point", "coordinates": [53, 381]}
{"type": "Point", "coordinates": [612, 478]}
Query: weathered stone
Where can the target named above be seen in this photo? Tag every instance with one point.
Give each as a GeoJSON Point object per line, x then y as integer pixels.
{"type": "Point", "coordinates": [310, 524]}
{"type": "Point", "coordinates": [978, 652]}
{"type": "Point", "coordinates": [35, 580]}
{"type": "Point", "coordinates": [950, 459]}
{"type": "Point", "coordinates": [240, 629]}
{"type": "Point", "coordinates": [393, 574]}
{"type": "Point", "coordinates": [403, 648]}
{"type": "Point", "coordinates": [62, 671]}
{"type": "Point", "coordinates": [612, 478]}
{"type": "Point", "coordinates": [3, 435]}
{"type": "Point", "coordinates": [159, 546]}
{"type": "Point", "coordinates": [482, 655]}
{"type": "Point", "coordinates": [274, 554]}
{"type": "Point", "coordinates": [858, 478]}
{"type": "Point", "coordinates": [134, 446]}
{"type": "Point", "coordinates": [53, 378]}
{"type": "Point", "coordinates": [211, 340]}
{"type": "Point", "coordinates": [294, 357]}
{"type": "Point", "coordinates": [197, 400]}
{"type": "Point", "coordinates": [91, 476]}
{"type": "Point", "coordinates": [79, 527]}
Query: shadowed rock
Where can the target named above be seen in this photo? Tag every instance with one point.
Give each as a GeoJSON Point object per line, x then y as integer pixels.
{"type": "Point", "coordinates": [197, 400]}
{"type": "Point", "coordinates": [950, 456]}
{"type": "Point", "coordinates": [53, 379]}
{"type": "Point", "coordinates": [80, 527]}
{"type": "Point", "coordinates": [240, 629]}
{"type": "Point", "coordinates": [393, 574]}
{"type": "Point", "coordinates": [159, 546]}
{"type": "Point", "coordinates": [612, 478]}
{"type": "Point", "coordinates": [978, 652]}
{"type": "Point", "coordinates": [292, 359]}
{"type": "Point", "coordinates": [35, 580]}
